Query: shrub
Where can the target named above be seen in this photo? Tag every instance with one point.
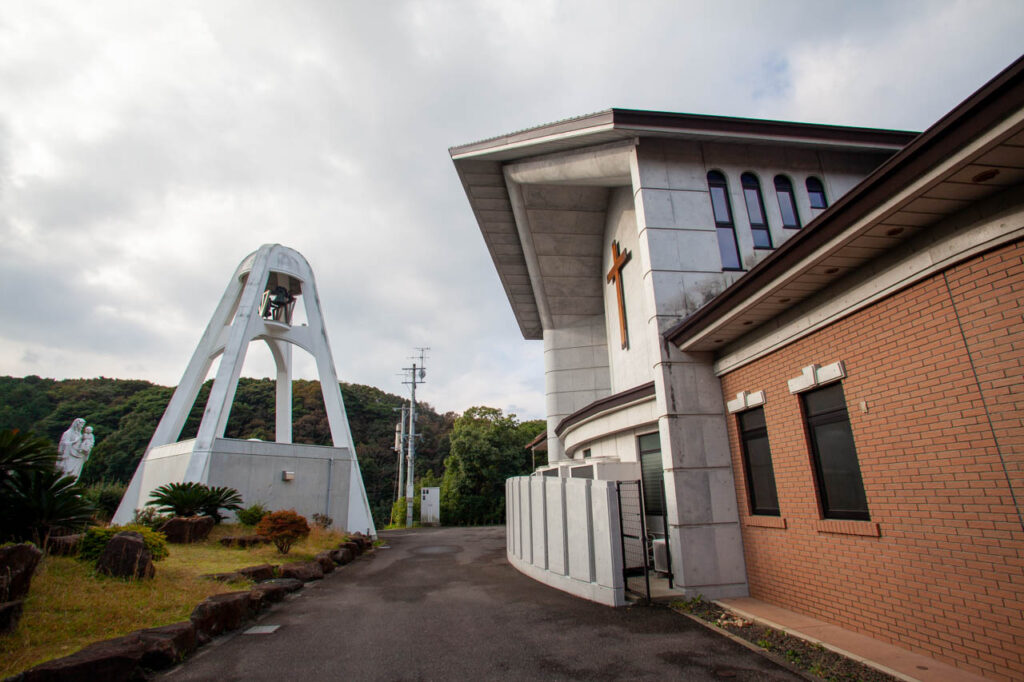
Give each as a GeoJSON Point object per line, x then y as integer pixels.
{"type": "Point", "coordinates": [97, 537]}
{"type": "Point", "coordinates": [105, 496]}
{"type": "Point", "coordinates": [149, 517]}
{"type": "Point", "coordinates": [252, 514]}
{"type": "Point", "coordinates": [322, 521]}
{"type": "Point", "coordinates": [191, 499]}
{"type": "Point", "coordinates": [284, 528]}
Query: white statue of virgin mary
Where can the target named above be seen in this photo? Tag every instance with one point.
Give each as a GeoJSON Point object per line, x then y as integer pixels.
{"type": "Point", "coordinates": [74, 448]}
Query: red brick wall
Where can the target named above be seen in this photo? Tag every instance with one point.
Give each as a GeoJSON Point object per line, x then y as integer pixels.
{"type": "Point", "coordinates": [941, 450]}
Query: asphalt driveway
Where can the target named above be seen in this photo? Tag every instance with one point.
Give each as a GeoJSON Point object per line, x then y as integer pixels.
{"type": "Point", "coordinates": [443, 604]}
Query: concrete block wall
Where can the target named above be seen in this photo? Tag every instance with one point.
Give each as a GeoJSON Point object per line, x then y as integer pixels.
{"type": "Point", "coordinates": [565, 533]}
{"type": "Point", "coordinates": [933, 390]}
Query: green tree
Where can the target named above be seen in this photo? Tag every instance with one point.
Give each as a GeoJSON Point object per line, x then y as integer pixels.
{"type": "Point", "coordinates": [487, 447]}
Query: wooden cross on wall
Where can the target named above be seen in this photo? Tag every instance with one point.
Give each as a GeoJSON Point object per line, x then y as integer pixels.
{"type": "Point", "coordinates": [619, 260]}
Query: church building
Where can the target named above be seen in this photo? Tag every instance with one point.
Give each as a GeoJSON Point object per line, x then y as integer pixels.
{"type": "Point", "coordinates": [805, 340]}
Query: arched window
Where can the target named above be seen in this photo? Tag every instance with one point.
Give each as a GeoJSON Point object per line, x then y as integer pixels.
{"type": "Point", "coordinates": [723, 221]}
{"type": "Point", "coordinates": [816, 193]}
{"type": "Point", "coordinates": [787, 202]}
{"type": "Point", "coordinates": [755, 209]}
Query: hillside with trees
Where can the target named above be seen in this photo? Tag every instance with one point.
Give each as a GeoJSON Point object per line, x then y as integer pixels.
{"type": "Point", "coordinates": [124, 413]}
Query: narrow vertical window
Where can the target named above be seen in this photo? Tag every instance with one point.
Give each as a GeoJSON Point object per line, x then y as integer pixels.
{"type": "Point", "coordinates": [835, 458]}
{"type": "Point", "coordinates": [653, 472]}
{"type": "Point", "coordinates": [816, 193]}
{"type": "Point", "coordinates": [723, 221]}
{"type": "Point", "coordinates": [757, 461]}
{"type": "Point", "coordinates": [755, 210]}
{"type": "Point", "coordinates": [787, 202]}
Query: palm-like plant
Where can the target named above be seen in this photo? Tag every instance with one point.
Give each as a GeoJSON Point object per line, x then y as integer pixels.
{"type": "Point", "coordinates": [190, 499]}
{"type": "Point", "coordinates": [48, 500]}
{"type": "Point", "coordinates": [180, 499]}
{"type": "Point", "coordinates": [221, 497]}
{"type": "Point", "coordinates": [23, 453]}
{"type": "Point", "coordinates": [34, 496]}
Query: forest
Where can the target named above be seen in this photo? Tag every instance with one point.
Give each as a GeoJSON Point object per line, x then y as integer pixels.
{"type": "Point", "coordinates": [124, 413]}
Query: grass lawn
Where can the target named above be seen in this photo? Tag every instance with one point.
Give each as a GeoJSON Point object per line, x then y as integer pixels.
{"type": "Point", "coordinates": [69, 606]}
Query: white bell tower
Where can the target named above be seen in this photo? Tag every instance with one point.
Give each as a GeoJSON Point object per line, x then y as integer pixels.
{"type": "Point", "coordinates": [258, 304]}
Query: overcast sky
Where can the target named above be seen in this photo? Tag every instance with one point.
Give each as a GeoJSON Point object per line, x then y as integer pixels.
{"type": "Point", "coordinates": [147, 147]}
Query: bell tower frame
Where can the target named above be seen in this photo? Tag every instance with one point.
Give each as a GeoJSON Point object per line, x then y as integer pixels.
{"type": "Point", "coordinates": [258, 305]}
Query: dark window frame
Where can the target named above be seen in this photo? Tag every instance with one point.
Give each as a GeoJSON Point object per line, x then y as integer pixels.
{"type": "Point", "coordinates": [813, 420]}
{"type": "Point", "coordinates": [784, 187]}
{"type": "Point", "coordinates": [724, 224]}
{"type": "Point", "coordinates": [758, 229]}
{"type": "Point", "coordinates": [816, 193]}
{"type": "Point", "coordinates": [748, 434]}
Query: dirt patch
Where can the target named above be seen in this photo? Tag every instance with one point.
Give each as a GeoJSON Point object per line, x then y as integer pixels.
{"type": "Point", "coordinates": [799, 653]}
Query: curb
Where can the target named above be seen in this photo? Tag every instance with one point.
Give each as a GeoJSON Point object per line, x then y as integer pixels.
{"type": "Point", "coordinates": [774, 658]}
{"type": "Point", "coordinates": [813, 640]}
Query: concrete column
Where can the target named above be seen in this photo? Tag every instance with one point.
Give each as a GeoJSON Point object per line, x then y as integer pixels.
{"type": "Point", "coordinates": [575, 372]}
{"type": "Point", "coordinates": [679, 252]}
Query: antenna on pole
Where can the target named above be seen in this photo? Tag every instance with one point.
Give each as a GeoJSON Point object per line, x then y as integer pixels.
{"type": "Point", "coordinates": [417, 374]}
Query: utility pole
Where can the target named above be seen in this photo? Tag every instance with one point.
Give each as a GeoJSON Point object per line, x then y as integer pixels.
{"type": "Point", "coordinates": [400, 449]}
{"type": "Point", "coordinates": [416, 374]}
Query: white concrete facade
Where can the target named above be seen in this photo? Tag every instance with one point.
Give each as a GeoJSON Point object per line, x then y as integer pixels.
{"type": "Point", "coordinates": [281, 475]}
{"type": "Point", "coordinates": [639, 180]}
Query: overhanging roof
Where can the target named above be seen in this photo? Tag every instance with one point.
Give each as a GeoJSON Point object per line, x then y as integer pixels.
{"type": "Point", "coordinates": [612, 125]}
{"type": "Point", "coordinates": [480, 166]}
{"type": "Point", "coordinates": [975, 151]}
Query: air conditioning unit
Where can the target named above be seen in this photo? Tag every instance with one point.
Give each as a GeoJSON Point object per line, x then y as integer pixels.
{"type": "Point", "coordinates": [660, 549]}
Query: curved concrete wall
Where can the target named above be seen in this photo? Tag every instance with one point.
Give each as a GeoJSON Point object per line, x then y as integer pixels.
{"type": "Point", "coordinates": [565, 533]}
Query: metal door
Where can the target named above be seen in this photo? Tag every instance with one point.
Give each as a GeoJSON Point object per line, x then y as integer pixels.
{"type": "Point", "coordinates": [635, 562]}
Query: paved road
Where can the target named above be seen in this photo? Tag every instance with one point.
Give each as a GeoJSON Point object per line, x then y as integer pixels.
{"type": "Point", "coordinates": [443, 604]}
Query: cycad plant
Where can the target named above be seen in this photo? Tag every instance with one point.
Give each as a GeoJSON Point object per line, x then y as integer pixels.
{"type": "Point", "coordinates": [191, 499]}
{"type": "Point", "coordinates": [221, 497]}
{"type": "Point", "coordinates": [34, 496]}
{"type": "Point", "coordinates": [49, 500]}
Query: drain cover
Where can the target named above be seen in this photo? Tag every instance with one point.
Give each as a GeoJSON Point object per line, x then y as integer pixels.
{"type": "Point", "coordinates": [261, 630]}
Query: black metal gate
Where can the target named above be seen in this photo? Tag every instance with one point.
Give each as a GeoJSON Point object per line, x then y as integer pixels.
{"type": "Point", "coordinates": [635, 562]}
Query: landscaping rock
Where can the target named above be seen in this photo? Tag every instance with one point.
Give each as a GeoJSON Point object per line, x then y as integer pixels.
{"type": "Point", "coordinates": [64, 545]}
{"type": "Point", "coordinates": [114, 660]}
{"type": "Point", "coordinates": [121, 658]}
{"type": "Point", "coordinates": [304, 571]}
{"type": "Point", "coordinates": [353, 547]}
{"type": "Point", "coordinates": [274, 591]}
{"type": "Point", "coordinates": [126, 556]}
{"type": "Point", "coordinates": [167, 645]}
{"type": "Point", "coordinates": [17, 564]}
{"type": "Point", "coordinates": [10, 614]}
{"type": "Point", "coordinates": [243, 540]}
{"type": "Point", "coordinates": [289, 584]}
{"type": "Point", "coordinates": [225, 577]}
{"type": "Point", "coordinates": [365, 541]}
{"type": "Point", "coordinates": [325, 561]}
{"type": "Point", "coordinates": [342, 556]}
{"type": "Point", "coordinates": [220, 613]}
{"type": "Point", "coordinates": [259, 573]}
{"type": "Point", "coordinates": [183, 530]}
